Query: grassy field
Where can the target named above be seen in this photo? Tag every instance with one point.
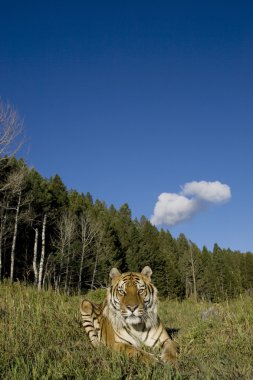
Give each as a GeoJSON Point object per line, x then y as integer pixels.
{"type": "Point", "coordinates": [41, 338]}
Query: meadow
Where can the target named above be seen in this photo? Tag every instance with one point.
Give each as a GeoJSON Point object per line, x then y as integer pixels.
{"type": "Point", "coordinates": [41, 338]}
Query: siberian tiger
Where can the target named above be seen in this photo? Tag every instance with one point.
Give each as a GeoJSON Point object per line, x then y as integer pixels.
{"type": "Point", "coordinates": [127, 319]}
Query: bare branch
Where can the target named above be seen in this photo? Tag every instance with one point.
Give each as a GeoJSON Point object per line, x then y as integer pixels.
{"type": "Point", "coordinates": [11, 130]}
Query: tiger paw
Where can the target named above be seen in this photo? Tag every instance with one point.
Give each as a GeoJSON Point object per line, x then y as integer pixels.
{"type": "Point", "coordinates": [170, 352]}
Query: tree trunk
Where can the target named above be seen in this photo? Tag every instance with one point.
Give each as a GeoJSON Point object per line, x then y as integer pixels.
{"type": "Point", "coordinates": [186, 286]}
{"type": "Point", "coordinates": [67, 271]}
{"type": "Point", "coordinates": [35, 253]}
{"type": "Point", "coordinates": [94, 271]}
{"type": "Point", "coordinates": [42, 258]}
{"type": "Point", "coordinates": [1, 242]}
{"type": "Point", "coordinates": [88, 232]}
{"type": "Point", "coordinates": [81, 270]}
{"type": "Point", "coordinates": [71, 275]}
{"type": "Point", "coordinates": [46, 275]}
{"type": "Point", "coordinates": [193, 275]}
{"type": "Point", "coordinates": [2, 228]}
{"type": "Point", "coordinates": [14, 238]}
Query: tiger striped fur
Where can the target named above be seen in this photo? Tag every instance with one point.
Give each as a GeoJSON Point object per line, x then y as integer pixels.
{"type": "Point", "coordinates": [127, 319]}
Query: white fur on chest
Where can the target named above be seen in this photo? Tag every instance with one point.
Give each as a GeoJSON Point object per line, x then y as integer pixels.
{"type": "Point", "coordinates": [137, 337]}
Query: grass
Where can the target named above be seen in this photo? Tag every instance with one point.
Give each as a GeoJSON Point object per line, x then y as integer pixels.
{"type": "Point", "coordinates": [41, 338]}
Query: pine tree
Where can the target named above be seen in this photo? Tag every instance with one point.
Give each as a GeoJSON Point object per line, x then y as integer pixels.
{"type": "Point", "coordinates": [172, 286]}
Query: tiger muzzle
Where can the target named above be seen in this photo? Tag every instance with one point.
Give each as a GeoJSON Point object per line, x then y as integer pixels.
{"type": "Point", "coordinates": [132, 308]}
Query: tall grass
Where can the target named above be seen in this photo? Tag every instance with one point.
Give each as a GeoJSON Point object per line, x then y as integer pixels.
{"type": "Point", "coordinates": [41, 338]}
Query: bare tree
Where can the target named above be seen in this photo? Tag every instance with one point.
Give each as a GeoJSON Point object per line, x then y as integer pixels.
{"type": "Point", "coordinates": [13, 246]}
{"type": "Point", "coordinates": [35, 254]}
{"type": "Point", "coordinates": [17, 184]}
{"type": "Point", "coordinates": [88, 232]}
{"type": "Point", "coordinates": [12, 200]}
{"type": "Point", "coordinates": [66, 232]}
{"type": "Point", "coordinates": [3, 217]}
{"type": "Point", "coordinates": [94, 270]}
{"type": "Point", "coordinates": [11, 139]}
{"type": "Point", "coordinates": [11, 130]}
{"type": "Point", "coordinates": [43, 251]}
{"type": "Point", "coordinates": [70, 227]}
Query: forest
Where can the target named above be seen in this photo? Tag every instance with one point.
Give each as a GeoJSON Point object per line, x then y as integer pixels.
{"type": "Point", "coordinates": [64, 240]}
{"type": "Point", "coordinates": [58, 238]}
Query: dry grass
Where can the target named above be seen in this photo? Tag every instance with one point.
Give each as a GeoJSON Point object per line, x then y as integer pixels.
{"type": "Point", "coordinates": [40, 338]}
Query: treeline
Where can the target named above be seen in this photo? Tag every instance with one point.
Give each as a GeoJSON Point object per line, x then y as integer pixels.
{"type": "Point", "coordinates": [59, 238]}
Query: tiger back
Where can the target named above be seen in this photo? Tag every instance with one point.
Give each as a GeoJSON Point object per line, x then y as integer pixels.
{"type": "Point", "coordinates": [127, 320]}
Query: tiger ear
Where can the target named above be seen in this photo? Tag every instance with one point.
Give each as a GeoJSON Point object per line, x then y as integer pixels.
{"type": "Point", "coordinates": [114, 273]}
{"type": "Point", "coordinates": [147, 271]}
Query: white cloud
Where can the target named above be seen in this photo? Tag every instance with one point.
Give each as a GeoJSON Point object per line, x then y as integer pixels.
{"type": "Point", "coordinates": [172, 208]}
{"type": "Point", "coordinates": [215, 192]}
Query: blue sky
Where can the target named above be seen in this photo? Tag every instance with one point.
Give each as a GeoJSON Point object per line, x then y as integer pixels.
{"type": "Point", "coordinates": [129, 100]}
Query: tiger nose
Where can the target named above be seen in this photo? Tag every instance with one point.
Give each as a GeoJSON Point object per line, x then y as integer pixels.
{"type": "Point", "coordinates": [132, 308]}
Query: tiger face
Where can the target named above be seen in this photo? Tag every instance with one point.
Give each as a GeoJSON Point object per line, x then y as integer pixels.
{"type": "Point", "coordinates": [132, 297]}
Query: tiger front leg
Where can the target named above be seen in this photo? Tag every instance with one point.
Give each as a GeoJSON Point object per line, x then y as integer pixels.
{"type": "Point", "coordinates": [88, 316]}
{"type": "Point", "coordinates": [170, 351]}
{"type": "Point", "coordinates": [134, 352]}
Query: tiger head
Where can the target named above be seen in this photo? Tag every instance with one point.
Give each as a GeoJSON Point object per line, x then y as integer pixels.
{"type": "Point", "coordinates": [132, 298]}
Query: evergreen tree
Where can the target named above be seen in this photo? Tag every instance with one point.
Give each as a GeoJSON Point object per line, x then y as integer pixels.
{"type": "Point", "coordinates": [207, 278]}
{"type": "Point", "coordinates": [183, 250]}
{"type": "Point", "coordinates": [149, 254]}
{"type": "Point", "coordinates": [247, 274]}
{"type": "Point", "coordinates": [172, 286]}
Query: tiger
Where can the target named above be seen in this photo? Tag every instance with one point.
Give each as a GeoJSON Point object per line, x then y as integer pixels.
{"type": "Point", "coordinates": [127, 320]}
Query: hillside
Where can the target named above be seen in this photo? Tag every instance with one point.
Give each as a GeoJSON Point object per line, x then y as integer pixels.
{"type": "Point", "coordinates": [41, 339]}
{"type": "Point", "coordinates": [54, 237]}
